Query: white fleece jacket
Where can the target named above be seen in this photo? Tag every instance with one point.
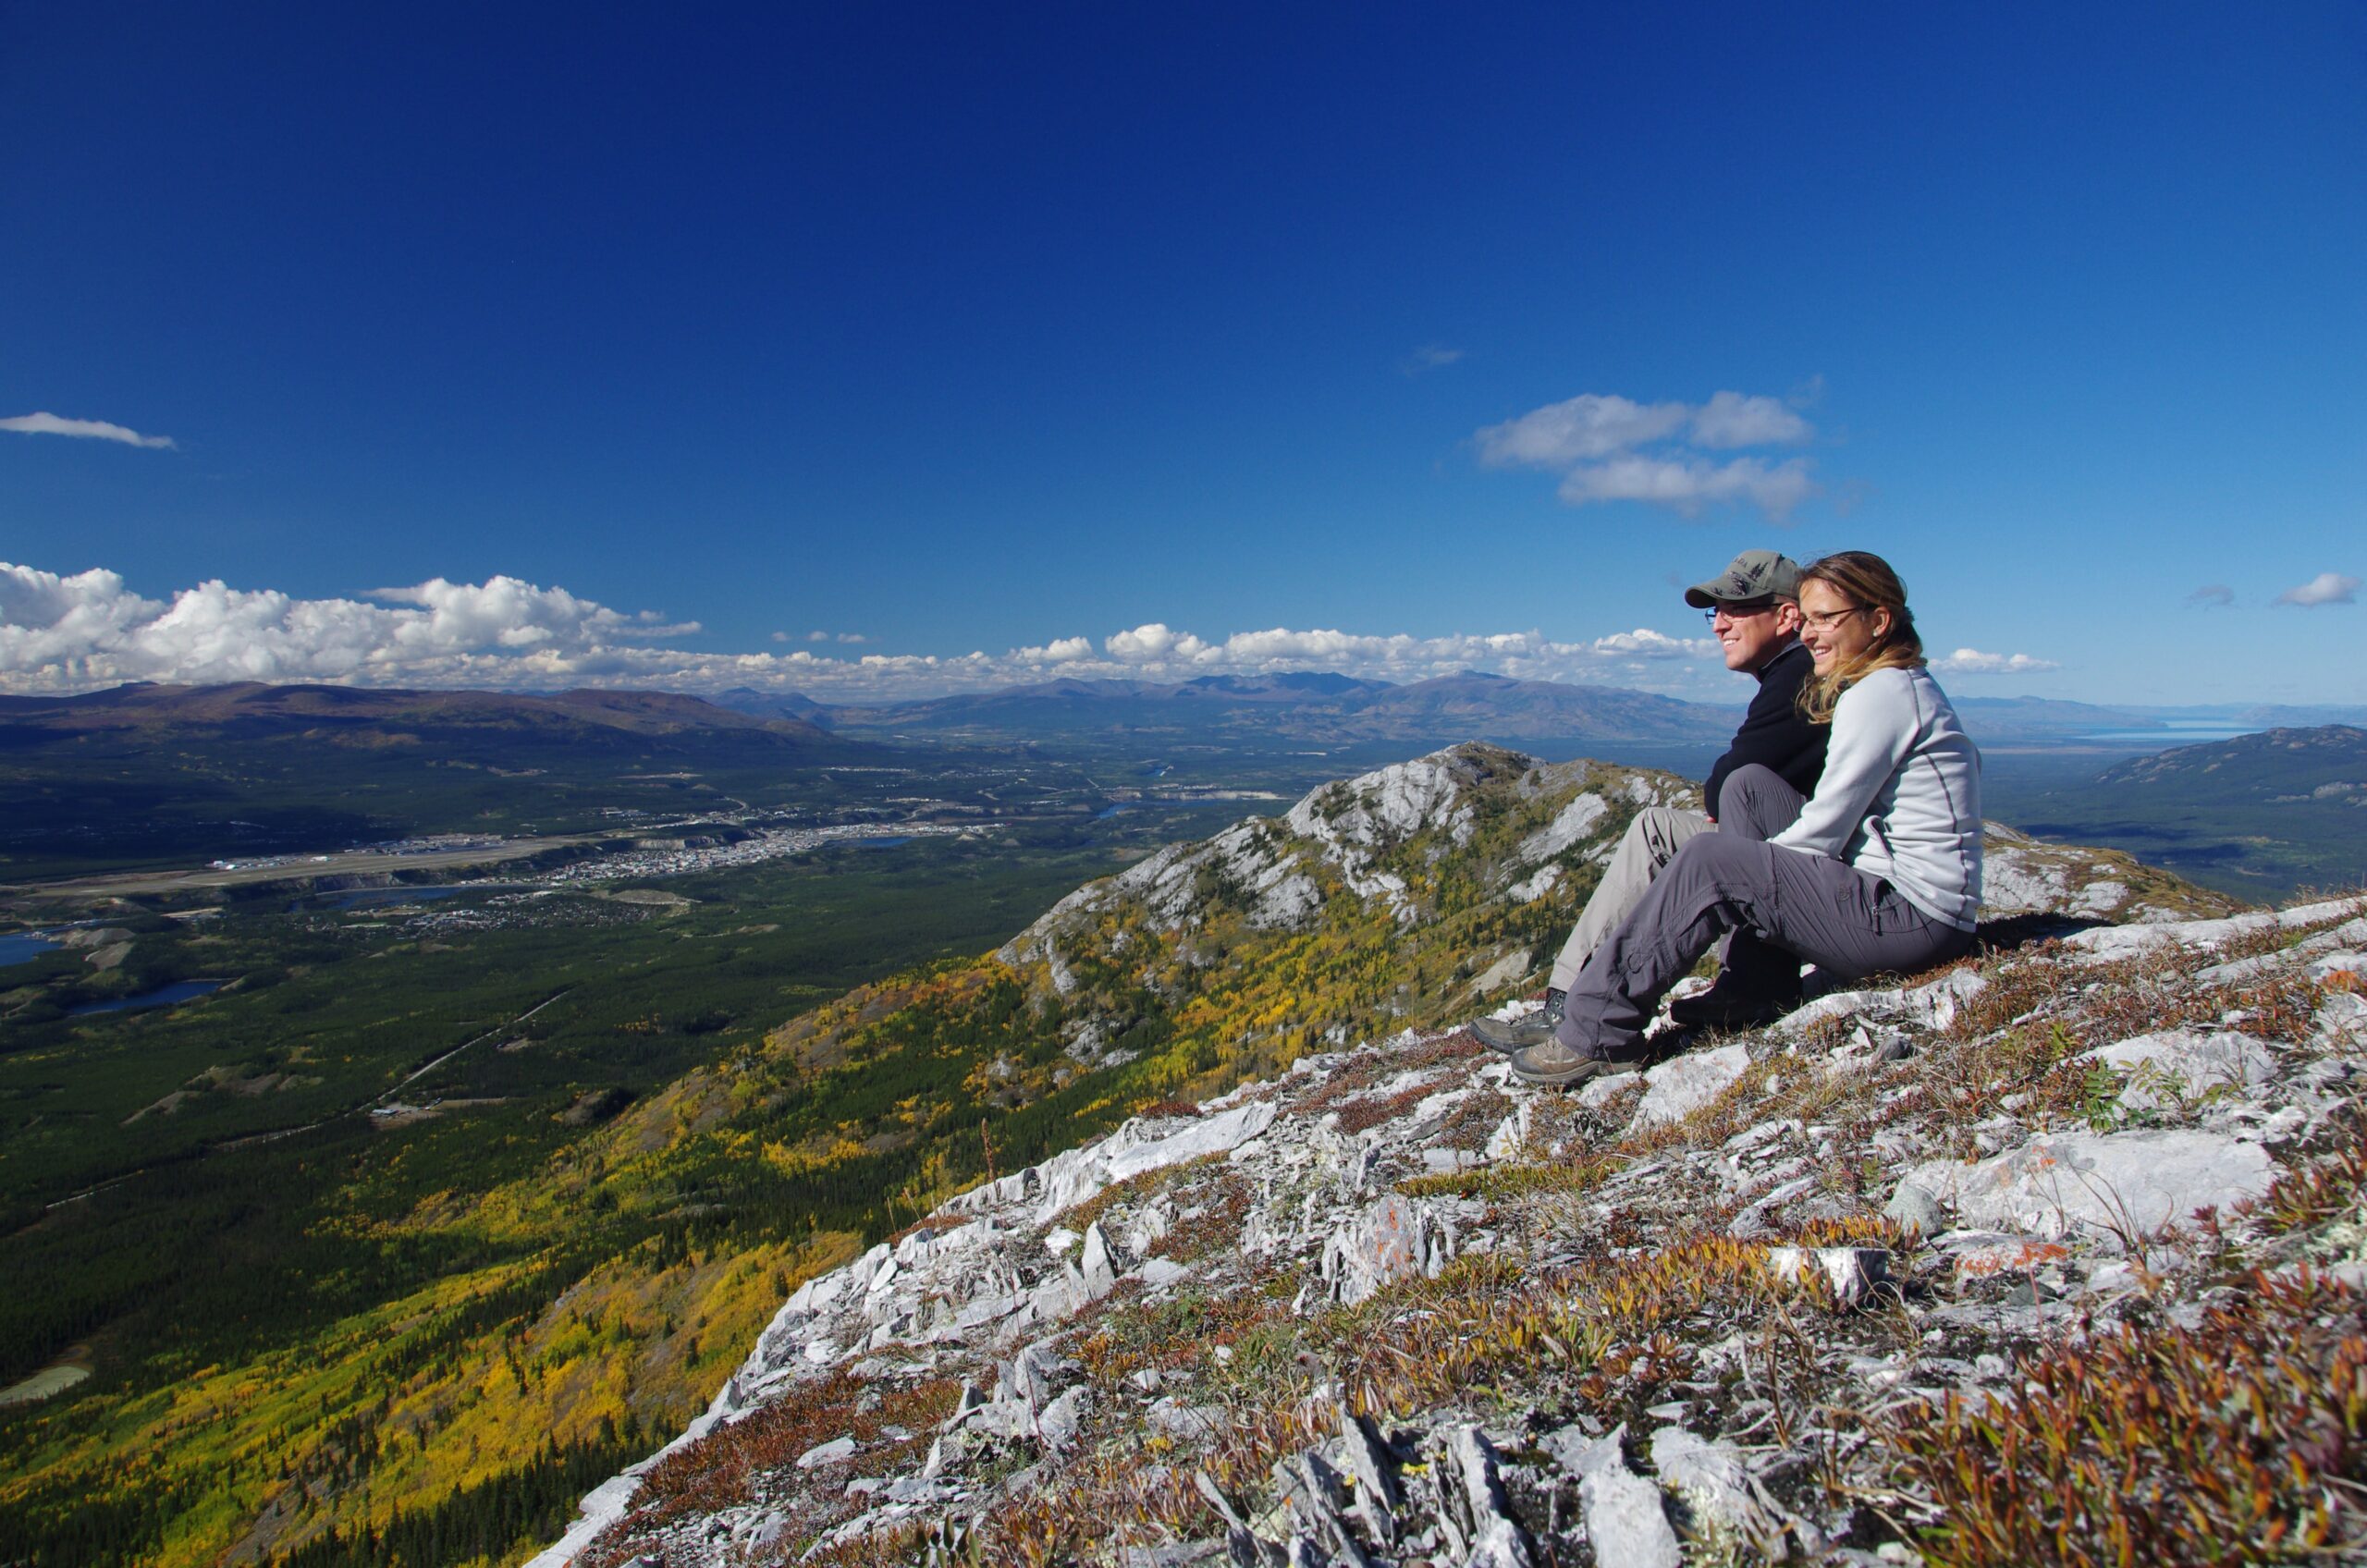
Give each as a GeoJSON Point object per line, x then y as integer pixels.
{"type": "Point", "coordinates": [1900, 798]}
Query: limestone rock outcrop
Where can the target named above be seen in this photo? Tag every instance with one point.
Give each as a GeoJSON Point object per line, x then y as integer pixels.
{"type": "Point", "coordinates": [1393, 1306]}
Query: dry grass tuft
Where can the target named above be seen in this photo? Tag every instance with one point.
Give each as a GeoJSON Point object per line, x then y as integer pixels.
{"type": "Point", "coordinates": [1499, 1183]}
{"type": "Point", "coordinates": [1132, 1191]}
{"type": "Point", "coordinates": [727, 1466]}
{"type": "Point", "coordinates": [2242, 1439]}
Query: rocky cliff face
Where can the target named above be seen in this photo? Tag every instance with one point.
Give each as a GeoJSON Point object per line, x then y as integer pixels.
{"type": "Point", "coordinates": [2059, 1246]}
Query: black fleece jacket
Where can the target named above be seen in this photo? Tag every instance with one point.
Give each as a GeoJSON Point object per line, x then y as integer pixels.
{"type": "Point", "coordinates": [1773, 731]}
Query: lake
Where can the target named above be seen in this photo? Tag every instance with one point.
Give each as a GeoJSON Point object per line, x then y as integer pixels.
{"type": "Point", "coordinates": [23, 947]}
{"type": "Point", "coordinates": [163, 996]}
{"type": "Point", "coordinates": [2173, 734]}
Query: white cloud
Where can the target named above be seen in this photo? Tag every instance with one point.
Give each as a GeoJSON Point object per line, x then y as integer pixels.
{"type": "Point", "coordinates": [1729, 420]}
{"type": "Point", "coordinates": [1687, 484]}
{"type": "Point", "coordinates": [69, 633]}
{"type": "Point", "coordinates": [94, 429]}
{"type": "Point", "coordinates": [2217, 595]}
{"type": "Point", "coordinates": [1060, 650]}
{"type": "Point", "coordinates": [1643, 643]}
{"type": "Point", "coordinates": [1430, 356]}
{"type": "Point", "coordinates": [1154, 643]}
{"type": "Point", "coordinates": [1611, 448]}
{"type": "Point", "coordinates": [2327, 588]}
{"type": "Point", "coordinates": [1590, 425]}
{"type": "Point", "coordinates": [1972, 661]}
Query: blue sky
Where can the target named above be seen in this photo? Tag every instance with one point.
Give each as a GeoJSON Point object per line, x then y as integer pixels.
{"type": "Point", "coordinates": [612, 345]}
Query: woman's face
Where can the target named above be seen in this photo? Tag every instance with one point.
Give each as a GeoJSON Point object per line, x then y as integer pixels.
{"type": "Point", "coordinates": [1835, 630]}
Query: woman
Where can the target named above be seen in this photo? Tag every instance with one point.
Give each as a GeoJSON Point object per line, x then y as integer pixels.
{"type": "Point", "coordinates": [1879, 870]}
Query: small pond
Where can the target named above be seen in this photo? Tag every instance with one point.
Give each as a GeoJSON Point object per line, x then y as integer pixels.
{"type": "Point", "coordinates": [163, 996]}
{"type": "Point", "coordinates": [23, 947]}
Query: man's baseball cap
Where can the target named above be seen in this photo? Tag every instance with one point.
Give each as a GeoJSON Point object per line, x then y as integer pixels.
{"type": "Point", "coordinates": [1754, 574]}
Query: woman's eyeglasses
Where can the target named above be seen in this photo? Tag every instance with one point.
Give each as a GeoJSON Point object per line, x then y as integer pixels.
{"type": "Point", "coordinates": [1827, 620]}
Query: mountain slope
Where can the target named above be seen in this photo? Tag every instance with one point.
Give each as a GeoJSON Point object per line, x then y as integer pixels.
{"type": "Point", "coordinates": [2037, 1260]}
{"type": "Point", "coordinates": [1312, 707]}
{"type": "Point", "coordinates": [251, 709]}
{"type": "Point", "coordinates": [1410, 897]}
{"type": "Point", "coordinates": [2266, 814]}
{"type": "Point", "coordinates": [148, 776]}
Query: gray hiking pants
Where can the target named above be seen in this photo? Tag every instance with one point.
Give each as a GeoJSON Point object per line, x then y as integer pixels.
{"type": "Point", "coordinates": [1847, 924]}
{"type": "Point", "coordinates": [1651, 841]}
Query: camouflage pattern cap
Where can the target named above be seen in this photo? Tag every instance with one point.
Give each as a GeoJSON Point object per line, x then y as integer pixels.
{"type": "Point", "coordinates": [1754, 574]}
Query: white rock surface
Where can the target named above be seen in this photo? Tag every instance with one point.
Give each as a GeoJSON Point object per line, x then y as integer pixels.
{"type": "Point", "coordinates": [2112, 1184]}
{"type": "Point", "coordinates": [2181, 1064]}
{"type": "Point", "coordinates": [1852, 1273]}
{"type": "Point", "coordinates": [1625, 1523]}
{"type": "Point", "coordinates": [1726, 1500]}
{"type": "Point", "coordinates": [1574, 822]}
{"type": "Point", "coordinates": [1679, 1087]}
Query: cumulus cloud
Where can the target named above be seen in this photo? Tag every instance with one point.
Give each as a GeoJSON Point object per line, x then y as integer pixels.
{"type": "Point", "coordinates": [2214, 595]}
{"type": "Point", "coordinates": [1729, 419]}
{"type": "Point", "coordinates": [1611, 448]}
{"type": "Point", "coordinates": [1972, 661]}
{"type": "Point", "coordinates": [90, 630]}
{"type": "Point", "coordinates": [2327, 588]}
{"type": "Point", "coordinates": [91, 429]}
{"type": "Point", "coordinates": [1687, 484]}
{"type": "Point", "coordinates": [1430, 356]}
{"type": "Point", "coordinates": [1590, 425]}
{"type": "Point", "coordinates": [1154, 643]}
{"type": "Point", "coordinates": [1643, 643]}
{"type": "Point", "coordinates": [1060, 650]}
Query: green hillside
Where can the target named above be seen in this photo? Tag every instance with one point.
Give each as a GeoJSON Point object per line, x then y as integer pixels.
{"type": "Point", "coordinates": [454, 1355]}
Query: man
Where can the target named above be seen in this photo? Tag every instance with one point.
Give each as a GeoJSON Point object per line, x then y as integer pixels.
{"type": "Point", "coordinates": [1754, 608]}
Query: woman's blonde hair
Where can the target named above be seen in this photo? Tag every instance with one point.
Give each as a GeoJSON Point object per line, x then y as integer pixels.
{"type": "Point", "coordinates": [1868, 584]}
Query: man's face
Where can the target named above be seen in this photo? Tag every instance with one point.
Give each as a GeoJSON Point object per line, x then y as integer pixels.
{"type": "Point", "coordinates": [1752, 633]}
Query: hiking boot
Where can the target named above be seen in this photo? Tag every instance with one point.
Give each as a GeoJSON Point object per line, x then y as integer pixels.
{"type": "Point", "coordinates": [1722, 1007]}
{"type": "Point", "coordinates": [1555, 1066]}
{"type": "Point", "coordinates": [1521, 1032]}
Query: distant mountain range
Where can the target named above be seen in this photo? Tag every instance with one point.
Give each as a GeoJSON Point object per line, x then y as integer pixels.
{"type": "Point", "coordinates": [1332, 709]}
{"type": "Point", "coordinates": [2261, 814]}
{"type": "Point", "coordinates": [1318, 708]}
{"type": "Point", "coordinates": [253, 709]}
{"type": "Point", "coordinates": [153, 775]}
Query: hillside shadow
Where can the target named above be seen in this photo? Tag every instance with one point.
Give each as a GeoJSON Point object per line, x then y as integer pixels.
{"type": "Point", "coordinates": [1992, 937]}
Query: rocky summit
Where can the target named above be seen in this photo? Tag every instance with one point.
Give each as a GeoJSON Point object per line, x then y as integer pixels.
{"type": "Point", "coordinates": [2052, 1255]}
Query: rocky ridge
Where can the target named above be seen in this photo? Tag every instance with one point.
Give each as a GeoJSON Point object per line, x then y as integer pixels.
{"type": "Point", "coordinates": [1391, 1307]}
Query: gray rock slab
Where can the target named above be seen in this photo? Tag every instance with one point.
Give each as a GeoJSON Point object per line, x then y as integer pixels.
{"type": "Point", "coordinates": [2179, 1064]}
{"type": "Point", "coordinates": [1375, 1492]}
{"type": "Point", "coordinates": [1677, 1089]}
{"type": "Point", "coordinates": [2107, 1184]}
{"type": "Point", "coordinates": [1600, 1092]}
{"type": "Point", "coordinates": [1917, 1210]}
{"type": "Point", "coordinates": [1719, 1488]}
{"type": "Point", "coordinates": [1058, 1422]}
{"type": "Point", "coordinates": [1161, 1271]}
{"type": "Point", "coordinates": [1099, 1267]}
{"type": "Point", "coordinates": [1853, 1272]}
{"type": "Point", "coordinates": [830, 1452]}
{"type": "Point", "coordinates": [1625, 1521]}
{"type": "Point", "coordinates": [1384, 1244]}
